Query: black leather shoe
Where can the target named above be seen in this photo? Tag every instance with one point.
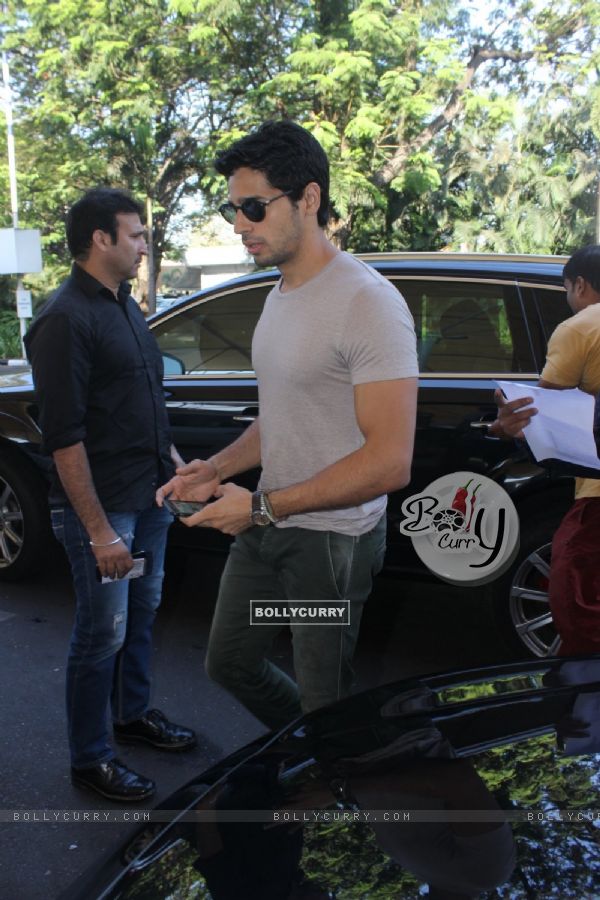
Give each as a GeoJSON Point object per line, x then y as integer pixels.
{"type": "Point", "coordinates": [114, 780]}
{"type": "Point", "coordinates": [154, 728]}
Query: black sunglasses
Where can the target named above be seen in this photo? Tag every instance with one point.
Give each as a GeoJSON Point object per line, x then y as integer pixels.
{"type": "Point", "coordinates": [254, 210]}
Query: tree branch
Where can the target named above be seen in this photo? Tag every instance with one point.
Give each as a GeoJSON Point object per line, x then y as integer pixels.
{"type": "Point", "coordinates": [453, 108]}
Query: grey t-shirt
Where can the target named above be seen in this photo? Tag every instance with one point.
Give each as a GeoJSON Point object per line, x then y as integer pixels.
{"type": "Point", "coordinates": [346, 326]}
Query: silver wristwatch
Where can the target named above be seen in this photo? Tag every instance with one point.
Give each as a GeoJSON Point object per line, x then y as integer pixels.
{"type": "Point", "coordinates": [262, 511]}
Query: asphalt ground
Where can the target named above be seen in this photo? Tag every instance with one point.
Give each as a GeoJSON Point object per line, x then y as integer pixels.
{"type": "Point", "coordinates": [409, 628]}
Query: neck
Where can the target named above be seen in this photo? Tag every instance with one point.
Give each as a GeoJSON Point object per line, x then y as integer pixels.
{"type": "Point", "coordinates": [97, 271]}
{"type": "Point", "coordinates": [313, 256]}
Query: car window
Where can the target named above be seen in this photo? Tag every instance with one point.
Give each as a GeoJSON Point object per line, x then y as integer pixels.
{"type": "Point", "coordinates": [214, 335]}
{"type": "Point", "coordinates": [462, 327]}
{"type": "Point", "coordinates": [552, 308]}
{"type": "Point", "coordinates": [467, 327]}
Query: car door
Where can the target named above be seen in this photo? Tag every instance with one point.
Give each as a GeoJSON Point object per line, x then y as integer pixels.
{"type": "Point", "coordinates": [470, 331]}
{"type": "Point", "coordinates": [211, 391]}
{"type": "Point", "coordinates": [210, 385]}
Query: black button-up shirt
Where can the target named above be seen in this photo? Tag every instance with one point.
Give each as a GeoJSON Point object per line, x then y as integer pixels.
{"type": "Point", "coordinates": [98, 376]}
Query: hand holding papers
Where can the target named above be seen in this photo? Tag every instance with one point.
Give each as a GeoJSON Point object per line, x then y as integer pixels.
{"type": "Point", "coordinates": [563, 428]}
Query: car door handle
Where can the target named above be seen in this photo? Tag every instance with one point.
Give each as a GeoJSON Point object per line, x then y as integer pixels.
{"type": "Point", "coordinates": [247, 414]}
{"type": "Point", "coordinates": [483, 423]}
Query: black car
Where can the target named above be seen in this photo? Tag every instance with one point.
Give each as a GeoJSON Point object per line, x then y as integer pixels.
{"type": "Point", "coordinates": [480, 783]}
{"type": "Point", "coordinates": [477, 317]}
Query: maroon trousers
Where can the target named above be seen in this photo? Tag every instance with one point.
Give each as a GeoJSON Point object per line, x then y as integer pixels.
{"type": "Point", "coordinates": [575, 579]}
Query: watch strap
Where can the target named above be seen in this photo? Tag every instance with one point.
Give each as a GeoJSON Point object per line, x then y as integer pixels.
{"type": "Point", "coordinates": [267, 507]}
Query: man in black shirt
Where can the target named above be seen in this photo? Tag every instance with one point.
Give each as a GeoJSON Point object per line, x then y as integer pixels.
{"type": "Point", "coordinates": [98, 375]}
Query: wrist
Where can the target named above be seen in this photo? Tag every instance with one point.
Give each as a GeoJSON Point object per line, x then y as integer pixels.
{"type": "Point", "coordinates": [269, 508]}
{"type": "Point", "coordinates": [102, 536]}
{"type": "Point", "coordinates": [105, 543]}
{"type": "Point", "coordinates": [273, 499]}
{"type": "Point", "coordinates": [219, 469]}
{"type": "Point", "coordinates": [262, 512]}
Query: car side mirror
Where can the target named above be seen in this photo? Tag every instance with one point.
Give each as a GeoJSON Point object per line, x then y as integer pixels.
{"type": "Point", "coordinates": [172, 365]}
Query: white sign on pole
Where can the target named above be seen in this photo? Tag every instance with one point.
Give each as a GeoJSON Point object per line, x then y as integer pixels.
{"type": "Point", "coordinates": [24, 308]}
{"type": "Point", "coordinates": [20, 251]}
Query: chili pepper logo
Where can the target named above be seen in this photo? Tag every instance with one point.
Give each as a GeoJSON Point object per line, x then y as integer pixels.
{"type": "Point", "coordinates": [454, 518]}
{"type": "Point", "coordinates": [460, 498]}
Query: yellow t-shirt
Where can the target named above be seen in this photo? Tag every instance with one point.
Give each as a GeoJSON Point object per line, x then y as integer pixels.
{"type": "Point", "coordinates": [573, 360]}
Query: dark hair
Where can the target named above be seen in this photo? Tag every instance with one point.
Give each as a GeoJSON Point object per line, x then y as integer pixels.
{"type": "Point", "coordinates": [97, 209]}
{"type": "Point", "coordinates": [288, 156]}
{"type": "Point", "coordinates": [585, 263]}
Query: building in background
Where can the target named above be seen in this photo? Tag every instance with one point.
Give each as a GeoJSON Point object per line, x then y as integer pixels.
{"type": "Point", "coordinates": [214, 255]}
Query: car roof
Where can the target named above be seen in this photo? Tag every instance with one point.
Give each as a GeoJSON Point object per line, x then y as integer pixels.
{"type": "Point", "coordinates": [474, 265]}
{"type": "Point", "coordinates": [524, 268]}
{"type": "Point", "coordinates": [515, 259]}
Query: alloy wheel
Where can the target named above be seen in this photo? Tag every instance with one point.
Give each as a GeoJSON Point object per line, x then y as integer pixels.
{"type": "Point", "coordinates": [529, 604]}
{"type": "Point", "coordinates": [11, 525]}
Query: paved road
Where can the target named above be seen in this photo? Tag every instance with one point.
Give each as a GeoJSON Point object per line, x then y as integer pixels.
{"type": "Point", "coordinates": [408, 629]}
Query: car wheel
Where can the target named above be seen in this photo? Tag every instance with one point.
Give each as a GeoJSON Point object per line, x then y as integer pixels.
{"type": "Point", "coordinates": [529, 606]}
{"type": "Point", "coordinates": [24, 520]}
{"type": "Point", "coordinates": [520, 604]}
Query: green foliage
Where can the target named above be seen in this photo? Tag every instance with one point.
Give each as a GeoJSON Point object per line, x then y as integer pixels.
{"type": "Point", "coordinates": [534, 194]}
{"type": "Point", "coordinates": [535, 777]}
{"type": "Point", "coordinates": [441, 133]}
{"type": "Point", "coordinates": [10, 337]}
{"type": "Point", "coordinates": [346, 859]}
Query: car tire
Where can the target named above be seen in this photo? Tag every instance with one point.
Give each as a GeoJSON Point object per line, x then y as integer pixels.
{"type": "Point", "coordinates": [25, 533]}
{"type": "Point", "coordinates": [519, 599]}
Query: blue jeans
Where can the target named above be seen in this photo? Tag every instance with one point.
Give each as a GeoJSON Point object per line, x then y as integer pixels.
{"type": "Point", "coordinates": [293, 564]}
{"type": "Point", "coordinates": [109, 654]}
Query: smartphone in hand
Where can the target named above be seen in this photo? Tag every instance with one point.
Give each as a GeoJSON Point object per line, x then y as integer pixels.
{"type": "Point", "coordinates": [183, 508]}
{"type": "Point", "coordinates": [142, 565]}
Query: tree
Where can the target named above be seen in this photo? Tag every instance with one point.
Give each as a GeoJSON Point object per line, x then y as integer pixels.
{"type": "Point", "coordinates": [441, 132]}
{"type": "Point", "coordinates": [131, 98]}
{"type": "Point", "coordinates": [390, 86]}
{"type": "Point", "coordinates": [535, 195]}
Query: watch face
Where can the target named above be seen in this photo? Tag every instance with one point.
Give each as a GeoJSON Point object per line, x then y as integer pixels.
{"type": "Point", "coordinates": [259, 514]}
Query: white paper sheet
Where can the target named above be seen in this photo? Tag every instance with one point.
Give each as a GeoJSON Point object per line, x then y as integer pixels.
{"type": "Point", "coordinates": [563, 426]}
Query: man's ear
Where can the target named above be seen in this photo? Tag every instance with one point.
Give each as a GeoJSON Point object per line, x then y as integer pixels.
{"type": "Point", "coordinates": [101, 240]}
{"type": "Point", "coordinates": [584, 289]}
{"type": "Point", "coordinates": [312, 197]}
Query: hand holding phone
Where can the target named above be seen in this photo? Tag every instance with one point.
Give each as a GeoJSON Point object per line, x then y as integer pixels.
{"type": "Point", "coordinates": [142, 565]}
{"type": "Point", "coordinates": [183, 508]}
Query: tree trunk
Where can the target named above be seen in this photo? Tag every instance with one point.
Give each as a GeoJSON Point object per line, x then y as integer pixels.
{"type": "Point", "coordinates": [145, 292]}
{"type": "Point", "coordinates": [151, 277]}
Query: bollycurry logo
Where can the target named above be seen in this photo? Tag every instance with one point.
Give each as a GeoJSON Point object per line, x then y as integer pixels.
{"type": "Point", "coordinates": [464, 527]}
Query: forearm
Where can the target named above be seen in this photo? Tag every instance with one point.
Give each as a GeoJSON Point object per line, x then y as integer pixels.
{"type": "Point", "coordinates": [239, 456]}
{"type": "Point", "coordinates": [74, 472]}
{"type": "Point", "coordinates": [355, 479]}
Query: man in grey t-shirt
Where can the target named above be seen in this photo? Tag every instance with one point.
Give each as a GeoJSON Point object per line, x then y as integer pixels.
{"type": "Point", "coordinates": [334, 353]}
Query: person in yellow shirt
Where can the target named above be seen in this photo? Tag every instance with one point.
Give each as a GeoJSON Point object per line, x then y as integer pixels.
{"type": "Point", "coordinates": [573, 360]}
